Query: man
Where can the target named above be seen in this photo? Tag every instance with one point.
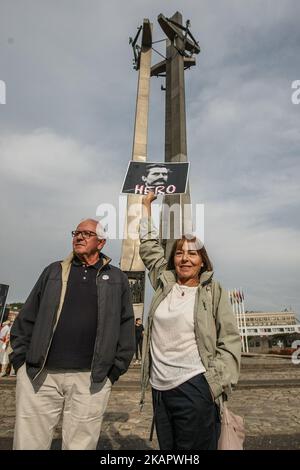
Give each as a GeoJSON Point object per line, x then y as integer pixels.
{"type": "Point", "coordinates": [157, 175]}
{"type": "Point", "coordinates": [72, 340]}
{"type": "Point", "coordinates": [155, 181]}
{"type": "Point", "coordinates": [139, 332]}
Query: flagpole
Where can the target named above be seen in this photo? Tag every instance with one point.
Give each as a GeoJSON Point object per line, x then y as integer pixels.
{"type": "Point", "coordinates": [235, 299]}
{"type": "Point", "coordinates": [240, 319]}
{"type": "Point", "coordinates": [231, 300]}
{"type": "Point", "coordinates": [244, 318]}
{"type": "Point", "coordinates": [231, 297]}
{"type": "Point", "coordinates": [233, 303]}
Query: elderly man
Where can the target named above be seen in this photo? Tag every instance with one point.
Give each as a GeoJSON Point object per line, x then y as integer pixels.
{"type": "Point", "coordinates": [72, 340]}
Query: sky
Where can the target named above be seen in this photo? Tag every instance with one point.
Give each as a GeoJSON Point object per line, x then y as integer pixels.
{"type": "Point", "coordinates": [66, 133]}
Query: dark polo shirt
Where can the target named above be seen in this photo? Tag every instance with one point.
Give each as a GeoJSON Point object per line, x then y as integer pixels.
{"type": "Point", "coordinates": [73, 342]}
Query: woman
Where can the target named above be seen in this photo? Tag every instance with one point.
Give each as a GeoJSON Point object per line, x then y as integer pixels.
{"type": "Point", "coordinates": [192, 348]}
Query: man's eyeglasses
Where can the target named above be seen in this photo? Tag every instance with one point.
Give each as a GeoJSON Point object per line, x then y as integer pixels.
{"type": "Point", "coordinates": [86, 234]}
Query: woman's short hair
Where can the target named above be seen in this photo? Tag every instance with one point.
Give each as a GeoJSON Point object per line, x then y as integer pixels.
{"type": "Point", "coordinates": [177, 245]}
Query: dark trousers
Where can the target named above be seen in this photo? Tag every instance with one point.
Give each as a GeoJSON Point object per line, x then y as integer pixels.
{"type": "Point", "coordinates": [138, 346]}
{"type": "Point", "coordinates": [186, 417]}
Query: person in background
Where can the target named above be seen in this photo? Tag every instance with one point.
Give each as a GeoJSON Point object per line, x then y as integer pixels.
{"type": "Point", "coordinates": [4, 348]}
{"type": "Point", "coordinates": [192, 347]}
{"type": "Point", "coordinates": [139, 332]}
{"type": "Point", "coordinates": [71, 341]}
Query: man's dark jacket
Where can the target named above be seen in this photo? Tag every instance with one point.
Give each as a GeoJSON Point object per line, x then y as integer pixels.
{"type": "Point", "coordinates": [34, 327]}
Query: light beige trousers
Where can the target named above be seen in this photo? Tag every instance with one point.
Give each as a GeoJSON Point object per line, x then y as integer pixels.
{"type": "Point", "coordinates": [40, 404]}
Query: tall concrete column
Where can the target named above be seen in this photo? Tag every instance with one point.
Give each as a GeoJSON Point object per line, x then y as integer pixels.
{"type": "Point", "coordinates": [180, 220]}
{"type": "Point", "coordinates": [130, 259]}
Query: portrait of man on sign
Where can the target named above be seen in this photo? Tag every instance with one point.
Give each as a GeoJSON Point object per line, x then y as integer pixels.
{"type": "Point", "coordinates": [159, 178]}
{"type": "Point", "coordinates": [157, 175]}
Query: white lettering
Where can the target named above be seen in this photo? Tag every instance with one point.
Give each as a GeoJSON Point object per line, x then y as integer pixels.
{"type": "Point", "coordinates": [171, 217]}
{"type": "Point", "coordinates": [108, 218]}
{"type": "Point", "coordinates": [139, 189]}
{"type": "Point", "coordinates": [111, 460]}
{"type": "Point", "coordinates": [133, 221]}
{"type": "Point", "coordinates": [2, 92]}
{"type": "Point", "coordinates": [160, 190]}
{"type": "Point", "coordinates": [149, 189]}
{"type": "Point", "coordinates": [178, 459]}
{"type": "Point", "coordinates": [296, 354]}
{"type": "Point", "coordinates": [171, 189]}
{"type": "Point", "coordinates": [122, 221]}
{"type": "Point", "coordinates": [296, 94]}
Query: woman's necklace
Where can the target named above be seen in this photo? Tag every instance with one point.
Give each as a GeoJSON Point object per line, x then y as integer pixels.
{"type": "Point", "coordinates": [183, 289]}
{"type": "Point", "coordinates": [178, 292]}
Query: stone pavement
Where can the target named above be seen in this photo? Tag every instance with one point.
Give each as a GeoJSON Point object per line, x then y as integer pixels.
{"type": "Point", "coordinates": [268, 396]}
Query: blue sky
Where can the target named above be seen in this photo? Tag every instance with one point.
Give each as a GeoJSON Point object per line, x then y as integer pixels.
{"type": "Point", "coordinates": [66, 132]}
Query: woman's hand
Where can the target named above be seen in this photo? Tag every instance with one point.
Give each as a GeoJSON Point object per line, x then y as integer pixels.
{"type": "Point", "coordinates": [146, 202]}
{"type": "Point", "coordinates": [148, 199]}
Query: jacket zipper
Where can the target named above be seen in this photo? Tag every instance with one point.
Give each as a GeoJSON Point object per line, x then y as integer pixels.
{"type": "Point", "coordinates": [98, 300]}
{"type": "Point", "coordinates": [47, 352]}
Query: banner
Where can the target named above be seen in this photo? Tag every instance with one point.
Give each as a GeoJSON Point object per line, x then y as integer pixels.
{"type": "Point", "coordinates": [160, 178]}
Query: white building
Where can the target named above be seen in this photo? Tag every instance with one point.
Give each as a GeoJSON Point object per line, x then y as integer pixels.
{"type": "Point", "coordinates": [265, 331]}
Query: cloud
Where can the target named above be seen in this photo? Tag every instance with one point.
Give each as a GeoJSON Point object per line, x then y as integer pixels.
{"type": "Point", "coordinates": [51, 182]}
{"type": "Point", "coordinates": [251, 254]}
{"type": "Point", "coordinates": [44, 160]}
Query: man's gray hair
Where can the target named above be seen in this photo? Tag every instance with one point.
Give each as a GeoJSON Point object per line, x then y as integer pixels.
{"type": "Point", "coordinates": [100, 230]}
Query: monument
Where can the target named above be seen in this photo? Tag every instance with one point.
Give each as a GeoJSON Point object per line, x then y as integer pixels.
{"type": "Point", "coordinates": [131, 263]}
{"type": "Point", "coordinates": [181, 48]}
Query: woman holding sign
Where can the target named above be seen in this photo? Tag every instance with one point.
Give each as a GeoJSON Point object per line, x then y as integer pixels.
{"type": "Point", "coordinates": [192, 348]}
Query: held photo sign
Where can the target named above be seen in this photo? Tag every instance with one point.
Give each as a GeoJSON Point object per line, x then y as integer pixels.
{"type": "Point", "coordinates": [160, 178]}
